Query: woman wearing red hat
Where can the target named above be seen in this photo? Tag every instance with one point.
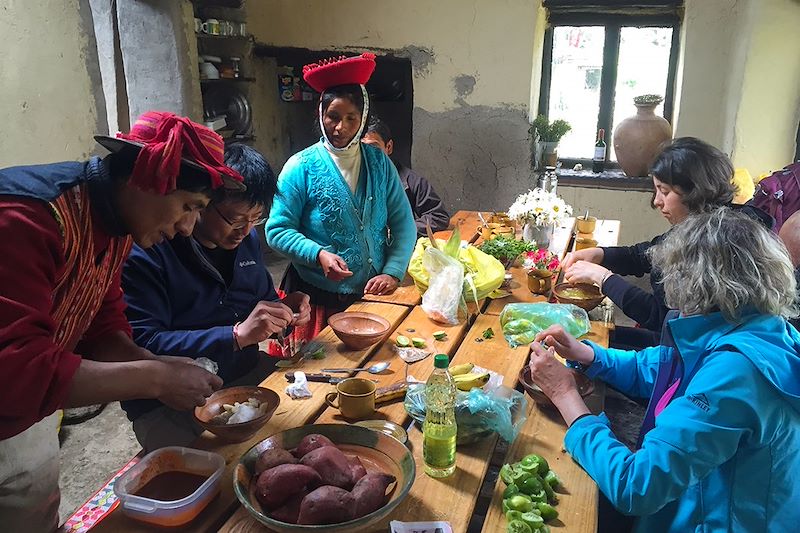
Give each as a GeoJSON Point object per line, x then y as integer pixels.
{"type": "Point", "coordinates": [341, 214]}
{"type": "Point", "coordinates": [65, 231]}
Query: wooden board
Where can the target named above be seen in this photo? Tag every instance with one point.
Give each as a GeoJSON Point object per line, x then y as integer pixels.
{"type": "Point", "coordinates": [422, 327]}
{"type": "Point", "coordinates": [543, 433]}
{"type": "Point", "coordinates": [405, 294]}
{"type": "Point", "coordinates": [290, 413]}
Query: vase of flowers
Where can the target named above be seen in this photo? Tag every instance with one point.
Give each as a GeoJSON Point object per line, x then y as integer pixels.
{"type": "Point", "coordinates": [540, 264]}
{"type": "Point", "coordinates": [539, 211]}
{"type": "Point", "coordinates": [546, 136]}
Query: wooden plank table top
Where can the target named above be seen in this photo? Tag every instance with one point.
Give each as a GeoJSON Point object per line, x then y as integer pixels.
{"type": "Point", "coordinates": [290, 413]}
{"type": "Point", "coordinates": [406, 294]}
{"type": "Point", "coordinates": [543, 433]}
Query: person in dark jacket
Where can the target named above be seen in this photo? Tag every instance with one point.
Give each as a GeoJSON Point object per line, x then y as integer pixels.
{"type": "Point", "coordinates": [209, 295]}
{"type": "Point", "coordinates": [690, 176]}
{"type": "Point", "coordinates": [425, 203]}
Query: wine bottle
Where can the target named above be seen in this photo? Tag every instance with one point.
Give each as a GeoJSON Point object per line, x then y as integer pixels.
{"type": "Point", "coordinates": [599, 159]}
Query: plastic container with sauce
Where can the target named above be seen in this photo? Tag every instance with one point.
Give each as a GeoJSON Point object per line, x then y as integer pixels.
{"type": "Point", "coordinates": [172, 499]}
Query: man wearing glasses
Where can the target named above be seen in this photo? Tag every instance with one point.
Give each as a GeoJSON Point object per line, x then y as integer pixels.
{"type": "Point", "coordinates": [209, 295]}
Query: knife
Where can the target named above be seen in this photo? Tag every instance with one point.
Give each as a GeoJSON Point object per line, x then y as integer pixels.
{"type": "Point", "coordinates": [324, 378]}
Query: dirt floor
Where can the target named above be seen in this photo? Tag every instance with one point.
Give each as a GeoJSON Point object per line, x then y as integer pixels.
{"type": "Point", "coordinates": [94, 450]}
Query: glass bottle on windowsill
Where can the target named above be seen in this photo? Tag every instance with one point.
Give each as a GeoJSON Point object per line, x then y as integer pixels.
{"type": "Point", "coordinates": [599, 159]}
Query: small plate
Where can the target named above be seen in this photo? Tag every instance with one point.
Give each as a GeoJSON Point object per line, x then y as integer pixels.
{"type": "Point", "coordinates": [384, 426]}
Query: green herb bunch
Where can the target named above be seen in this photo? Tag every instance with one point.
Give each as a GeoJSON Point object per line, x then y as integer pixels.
{"type": "Point", "coordinates": [546, 131]}
{"type": "Point", "coordinates": [505, 249]}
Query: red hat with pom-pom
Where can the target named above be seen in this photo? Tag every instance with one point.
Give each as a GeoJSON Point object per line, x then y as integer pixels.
{"type": "Point", "coordinates": [339, 71]}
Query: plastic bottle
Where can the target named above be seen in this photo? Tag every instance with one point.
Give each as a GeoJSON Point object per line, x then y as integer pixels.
{"type": "Point", "coordinates": [439, 429]}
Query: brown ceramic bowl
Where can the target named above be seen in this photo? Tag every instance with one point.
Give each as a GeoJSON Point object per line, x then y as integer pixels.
{"type": "Point", "coordinates": [584, 295]}
{"type": "Point", "coordinates": [359, 330]}
{"type": "Point", "coordinates": [585, 386]}
{"type": "Point", "coordinates": [236, 432]}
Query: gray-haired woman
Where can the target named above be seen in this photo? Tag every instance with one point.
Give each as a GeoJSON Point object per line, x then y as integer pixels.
{"type": "Point", "coordinates": [718, 447]}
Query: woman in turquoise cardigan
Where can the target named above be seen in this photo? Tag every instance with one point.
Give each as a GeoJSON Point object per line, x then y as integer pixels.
{"type": "Point", "coordinates": [341, 214]}
{"type": "Point", "coordinates": [718, 446]}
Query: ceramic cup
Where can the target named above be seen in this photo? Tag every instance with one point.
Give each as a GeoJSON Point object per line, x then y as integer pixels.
{"type": "Point", "coordinates": [356, 398]}
{"type": "Point", "coordinates": [198, 25]}
{"type": "Point", "coordinates": [585, 225]}
{"type": "Point", "coordinates": [211, 27]}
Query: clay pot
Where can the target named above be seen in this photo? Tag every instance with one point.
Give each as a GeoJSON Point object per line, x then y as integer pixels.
{"type": "Point", "coordinates": [637, 140]}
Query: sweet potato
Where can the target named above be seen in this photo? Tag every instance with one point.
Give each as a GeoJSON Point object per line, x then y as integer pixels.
{"type": "Point", "coordinates": [276, 485]}
{"type": "Point", "coordinates": [357, 470]}
{"type": "Point", "coordinates": [370, 492]}
{"type": "Point", "coordinates": [311, 442]}
{"type": "Point", "coordinates": [272, 458]}
{"type": "Point", "coordinates": [331, 465]}
{"type": "Point", "coordinates": [326, 505]}
{"type": "Point", "coordinates": [289, 511]}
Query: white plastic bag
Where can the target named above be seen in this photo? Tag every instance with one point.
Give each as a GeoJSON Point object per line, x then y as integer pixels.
{"type": "Point", "coordinates": [443, 297]}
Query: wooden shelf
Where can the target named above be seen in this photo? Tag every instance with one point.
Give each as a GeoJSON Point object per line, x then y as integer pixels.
{"type": "Point", "coordinates": [227, 80]}
{"type": "Point", "coordinates": [208, 37]}
{"type": "Point", "coordinates": [236, 4]}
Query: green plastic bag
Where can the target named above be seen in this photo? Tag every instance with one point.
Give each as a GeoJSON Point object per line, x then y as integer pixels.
{"type": "Point", "coordinates": [521, 322]}
{"type": "Point", "coordinates": [482, 272]}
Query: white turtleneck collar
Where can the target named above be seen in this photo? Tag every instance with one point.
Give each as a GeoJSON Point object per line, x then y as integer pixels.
{"type": "Point", "coordinates": [348, 161]}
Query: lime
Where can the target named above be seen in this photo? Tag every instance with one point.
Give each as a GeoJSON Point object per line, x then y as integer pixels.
{"type": "Point", "coordinates": [552, 479]}
{"type": "Point", "coordinates": [531, 485]}
{"type": "Point", "coordinates": [518, 526]}
{"type": "Point", "coordinates": [540, 461]}
{"type": "Point", "coordinates": [520, 502]}
{"type": "Point", "coordinates": [505, 506]}
{"type": "Point", "coordinates": [513, 515]}
{"type": "Point", "coordinates": [505, 474]}
{"type": "Point", "coordinates": [548, 511]}
{"type": "Point", "coordinates": [533, 519]}
{"type": "Point", "coordinates": [510, 491]}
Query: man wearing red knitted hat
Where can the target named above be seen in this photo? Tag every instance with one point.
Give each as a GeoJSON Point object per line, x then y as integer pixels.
{"type": "Point", "coordinates": [65, 231]}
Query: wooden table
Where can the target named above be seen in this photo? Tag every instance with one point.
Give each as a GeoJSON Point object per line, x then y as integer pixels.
{"type": "Point", "coordinates": [453, 498]}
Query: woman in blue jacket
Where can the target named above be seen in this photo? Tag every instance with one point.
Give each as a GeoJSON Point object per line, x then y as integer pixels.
{"type": "Point", "coordinates": [341, 214]}
{"type": "Point", "coordinates": [718, 447]}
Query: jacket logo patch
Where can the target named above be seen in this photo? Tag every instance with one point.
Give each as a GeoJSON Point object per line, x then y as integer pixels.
{"type": "Point", "coordinates": [246, 263]}
{"type": "Point", "coordinates": [700, 401]}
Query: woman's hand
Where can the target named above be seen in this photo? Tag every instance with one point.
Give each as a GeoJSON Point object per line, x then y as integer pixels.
{"type": "Point", "coordinates": [300, 304]}
{"type": "Point", "coordinates": [566, 345]}
{"type": "Point", "coordinates": [557, 382]}
{"type": "Point", "coordinates": [333, 266]}
{"type": "Point", "coordinates": [586, 272]}
{"type": "Point", "coordinates": [381, 284]}
{"type": "Point", "coordinates": [592, 255]}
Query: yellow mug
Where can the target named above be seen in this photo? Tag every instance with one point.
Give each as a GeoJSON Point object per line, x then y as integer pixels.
{"type": "Point", "coordinates": [585, 225]}
{"type": "Point", "coordinates": [356, 398]}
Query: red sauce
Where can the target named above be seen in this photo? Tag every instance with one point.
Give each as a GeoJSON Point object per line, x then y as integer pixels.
{"type": "Point", "coordinates": [171, 486]}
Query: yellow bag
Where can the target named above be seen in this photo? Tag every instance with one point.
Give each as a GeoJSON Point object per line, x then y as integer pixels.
{"type": "Point", "coordinates": [482, 272]}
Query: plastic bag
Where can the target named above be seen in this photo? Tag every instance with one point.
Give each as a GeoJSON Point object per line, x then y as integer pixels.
{"type": "Point", "coordinates": [479, 413]}
{"type": "Point", "coordinates": [521, 322]}
{"type": "Point", "coordinates": [482, 272]}
{"type": "Point", "coordinates": [443, 297]}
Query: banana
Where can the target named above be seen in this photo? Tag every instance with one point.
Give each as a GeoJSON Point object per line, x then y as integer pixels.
{"type": "Point", "coordinates": [467, 382]}
{"type": "Point", "coordinates": [464, 368]}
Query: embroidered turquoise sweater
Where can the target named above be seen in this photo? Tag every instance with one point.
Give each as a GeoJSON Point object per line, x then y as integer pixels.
{"type": "Point", "coordinates": [372, 230]}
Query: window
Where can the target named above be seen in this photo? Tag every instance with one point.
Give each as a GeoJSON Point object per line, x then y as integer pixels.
{"type": "Point", "coordinates": [596, 59]}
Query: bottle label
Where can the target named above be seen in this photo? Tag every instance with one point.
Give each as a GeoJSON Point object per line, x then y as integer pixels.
{"type": "Point", "coordinates": [599, 153]}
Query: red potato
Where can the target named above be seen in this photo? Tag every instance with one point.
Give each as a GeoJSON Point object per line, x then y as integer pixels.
{"type": "Point", "coordinates": [369, 493]}
{"type": "Point", "coordinates": [311, 442]}
{"type": "Point", "coordinates": [276, 485]}
{"type": "Point", "coordinates": [272, 458]}
{"type": "Point", "coordinates": [326, 505]}
{"type": "Point", "coordinates": [289, 511]}
{"type": "Point", "coordinates": [357, 470]}
{"type": "Point", "coordinates": [331, 465]}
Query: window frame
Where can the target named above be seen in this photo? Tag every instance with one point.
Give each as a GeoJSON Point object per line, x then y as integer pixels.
{"type": "Point", "coordinates": [613, 23]}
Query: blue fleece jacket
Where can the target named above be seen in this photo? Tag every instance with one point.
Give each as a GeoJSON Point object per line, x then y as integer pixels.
{"type": "Point", "coordinates": [179, 304]}
{"type": "Point", "coordinates": [723, 454]}
{"type": "Point", "coordinates": [315, 210]}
